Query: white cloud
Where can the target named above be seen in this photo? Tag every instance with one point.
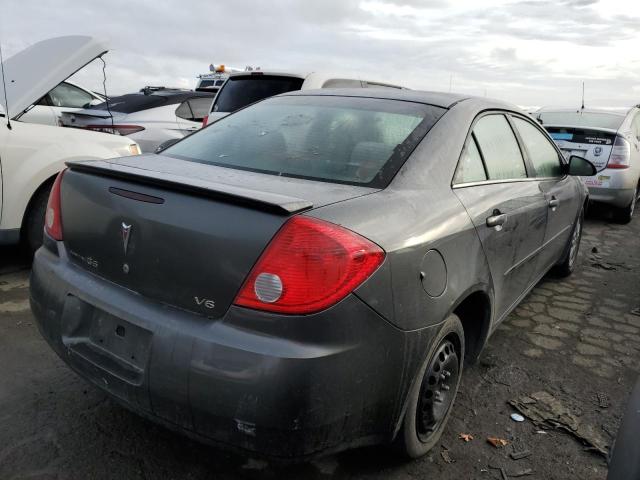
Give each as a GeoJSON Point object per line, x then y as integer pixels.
{"type": "Point", "coordinates": [530, 52]}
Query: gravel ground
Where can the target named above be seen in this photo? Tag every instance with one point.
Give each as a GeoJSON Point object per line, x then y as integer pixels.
{"type": "Point", "coordinates": [576, 339]}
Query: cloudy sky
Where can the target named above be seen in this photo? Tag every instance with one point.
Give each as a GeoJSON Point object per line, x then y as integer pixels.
{"type": "Point", "coordinates": [530, 52]}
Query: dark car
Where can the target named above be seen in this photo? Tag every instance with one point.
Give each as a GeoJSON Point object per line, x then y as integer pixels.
{"type": "Point", "coordinates": [309, 273]}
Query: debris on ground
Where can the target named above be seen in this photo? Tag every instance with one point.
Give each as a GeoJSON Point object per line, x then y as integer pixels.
{"type": "Point", "coordinates": [503, 472]}
{"type": "Point", "coordinates": [446, 457]}
{"type": "Point", "coordinates": [521, 473]}
{"type": "Point", "coordinates": [545, 410]}
{"type": "Point", "coordinates": [636, 311]}
{"type": "Point", "coordinates": [497, 442]}
{"type": "Point", "coordinates": [520, 455]}
{"type": "Point", "coordinates": [516, 417]}
{"type": "Point", "coordinates": [603, 400]}
{"type": "Point", "coordinates": [467, 437]}
{"type": "Point", "coordinates": [594, 250]}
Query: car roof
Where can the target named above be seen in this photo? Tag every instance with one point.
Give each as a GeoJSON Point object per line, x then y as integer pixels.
{"type": "Point", "coordinates": [438, 99]}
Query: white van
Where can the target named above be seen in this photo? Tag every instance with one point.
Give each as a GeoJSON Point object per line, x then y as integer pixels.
{"type": "Point", "coordinates": [244, 88]}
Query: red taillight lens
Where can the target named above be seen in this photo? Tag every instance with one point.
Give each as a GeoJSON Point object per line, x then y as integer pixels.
{"type": "Point", "coordinates": [309, 265]}
{"type": "Point", "coordinates": [52, 218]}
{"type": "Point", "coordinates": [620, 154]}
{"type": "Point", "coordinates": [115, 129]}
{"type": "Point", "coordinates": [205, 120]}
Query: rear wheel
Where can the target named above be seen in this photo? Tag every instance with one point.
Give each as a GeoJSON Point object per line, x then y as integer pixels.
{"type": "Point", "coordinates": [568, 263]}
{"type": "Point", "coordinates": [623, 215]}
{"type": "Point", "coordinates": [33, 228]}
{"type": "Point", "coordinates": [432, 395]}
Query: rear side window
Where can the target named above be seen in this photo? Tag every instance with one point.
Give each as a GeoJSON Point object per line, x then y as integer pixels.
{"type": "Point", "coordinates": [499, 148]}
{"type": "Point", "coordinates": [358, 141]}
{"type": "Point", "coordinates": [241, 91]}
{"type": "Point", "coordinates": [342, 83]}
{"type": "Point", "coordinates": [541, 152]}
{"type": "Point", "coordinates": [470, 167]}
{"type": "Point", "coordinates": [194, 109]}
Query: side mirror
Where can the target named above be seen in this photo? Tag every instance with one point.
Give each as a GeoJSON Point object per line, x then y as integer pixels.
{"type": "Point", "coordinates": [580, 167]}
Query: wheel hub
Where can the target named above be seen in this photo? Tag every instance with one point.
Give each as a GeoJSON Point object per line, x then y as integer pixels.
{"type": "Point", "coordinates": [438, 389]}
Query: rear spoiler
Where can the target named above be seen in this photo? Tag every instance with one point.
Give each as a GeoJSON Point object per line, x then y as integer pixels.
{"type": "Point", "coordinates": [273, 202]}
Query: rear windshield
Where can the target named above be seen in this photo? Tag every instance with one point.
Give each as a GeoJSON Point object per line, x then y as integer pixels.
{"type": "Point", "coordinates": [578, 119]}
{"type": "Point", "coordinates": [245, 90]}
{"type": "Point", "coordinates": [358, 141]}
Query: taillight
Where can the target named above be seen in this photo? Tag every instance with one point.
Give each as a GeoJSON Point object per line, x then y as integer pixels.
{"type": "Point", "coordinates": [205, 120]}
{"type": "Point", "coordinates": [620, 154]}
{"type": "Point", "coordinates": [52, 218]}
{"type": "Point", "coordinates": [309, 265]}
{"type": "Point", "coordinates": [115, 129]}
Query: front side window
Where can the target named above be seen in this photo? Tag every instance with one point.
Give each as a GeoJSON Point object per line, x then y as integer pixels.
{"type": "Point", "coordinates": [499, 148]}
{"type": "Point", "coordinates": [470, 167]}
{"type": "Point", "coordinates": [65, 95]}
{"type": "Point", "coordinates": [359, 141]}
{"type": "Point", "coordinates": [542, 154]}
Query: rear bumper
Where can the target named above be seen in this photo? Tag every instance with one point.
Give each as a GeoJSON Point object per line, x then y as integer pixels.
{"type": "Point", "coordinates": [279, 386]}
{"type": "Point", "coordinates": [614, 187]}
{"type": "Point", "coordinates": [616, 197]}
{"type": "Point", "coordinates": [9, 236]}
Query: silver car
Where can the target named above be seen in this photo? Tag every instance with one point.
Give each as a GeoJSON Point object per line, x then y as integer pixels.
{"type": "Point", "coordinates": [610, 139]}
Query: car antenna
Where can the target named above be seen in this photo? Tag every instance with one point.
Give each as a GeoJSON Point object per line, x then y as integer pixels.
{"type": "Point", "coordinates": [4, 89]}
{"type": "Point", "coordinates": [582, 108]}
{"type": "Point", "coordinates": [104, 89]}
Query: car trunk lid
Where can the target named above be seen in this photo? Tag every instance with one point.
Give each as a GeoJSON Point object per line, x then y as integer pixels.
{"type": "Point", "coordinates": [594, 144]}
{"type": "Point", "coordinates": [179, 234]}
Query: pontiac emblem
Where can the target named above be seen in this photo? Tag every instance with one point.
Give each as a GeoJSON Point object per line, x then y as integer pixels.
{"type": "Point", "coordinates": [126, 232]}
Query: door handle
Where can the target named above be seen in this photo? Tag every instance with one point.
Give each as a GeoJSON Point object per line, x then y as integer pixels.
{"type": "Point", "coordinates": [554, 202]}
{"type": "Point", "coordinates": [496, 220]}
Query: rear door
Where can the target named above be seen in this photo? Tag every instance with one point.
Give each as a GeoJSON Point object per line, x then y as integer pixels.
{"type": "Point", "coordinates": [559, 190]}
{"type": "Point", "coordinates": [506, 206]}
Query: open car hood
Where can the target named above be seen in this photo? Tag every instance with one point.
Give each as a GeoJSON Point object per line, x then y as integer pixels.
{"type": "Point", "coordinates": [36, 70]}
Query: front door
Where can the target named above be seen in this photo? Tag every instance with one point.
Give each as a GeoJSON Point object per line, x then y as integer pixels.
{"type": "Point", "coordinates": [559, 190]}
{"type": "Point", "coordinates": [506, 206]}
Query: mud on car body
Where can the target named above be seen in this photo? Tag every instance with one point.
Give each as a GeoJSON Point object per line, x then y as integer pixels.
{"type": "Point", "coordinates": [310, 273]}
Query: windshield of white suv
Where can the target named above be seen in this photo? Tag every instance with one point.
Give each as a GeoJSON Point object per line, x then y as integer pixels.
{"type": "Point", "coordinates": [240, 91]}
{"type": "Point", "coordinates": [582, 119]}
{"type": "Point", "coordinates": [358, 141]}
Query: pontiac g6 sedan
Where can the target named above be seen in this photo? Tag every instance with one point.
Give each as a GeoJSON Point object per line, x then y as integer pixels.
{"type": "Point", "coordinates": [309, 273]}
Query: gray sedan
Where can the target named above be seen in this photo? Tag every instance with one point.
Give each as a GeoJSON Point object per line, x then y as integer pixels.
{"type": "Point", "coordinates": [310, 273]}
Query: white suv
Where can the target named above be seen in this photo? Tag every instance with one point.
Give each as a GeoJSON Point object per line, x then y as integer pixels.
{"type": "Point", "coordinates": [31, 155]}
{"type": "Point", "coordinates": [244, 88]}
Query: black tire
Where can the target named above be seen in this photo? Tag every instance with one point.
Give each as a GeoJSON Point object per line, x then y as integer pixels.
{"type": "Point", "coordinates": [569, 259]}
{"type": "Point", "coordinates": [418, 433]}
{"type": "Point", "coordinates": [624, 215]}
{"type": "Point", "coordinates": [33, 226]}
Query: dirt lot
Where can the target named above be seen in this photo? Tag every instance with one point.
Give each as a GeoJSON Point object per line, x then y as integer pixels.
{"type": "Point", "coordinates": [576, 339]}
